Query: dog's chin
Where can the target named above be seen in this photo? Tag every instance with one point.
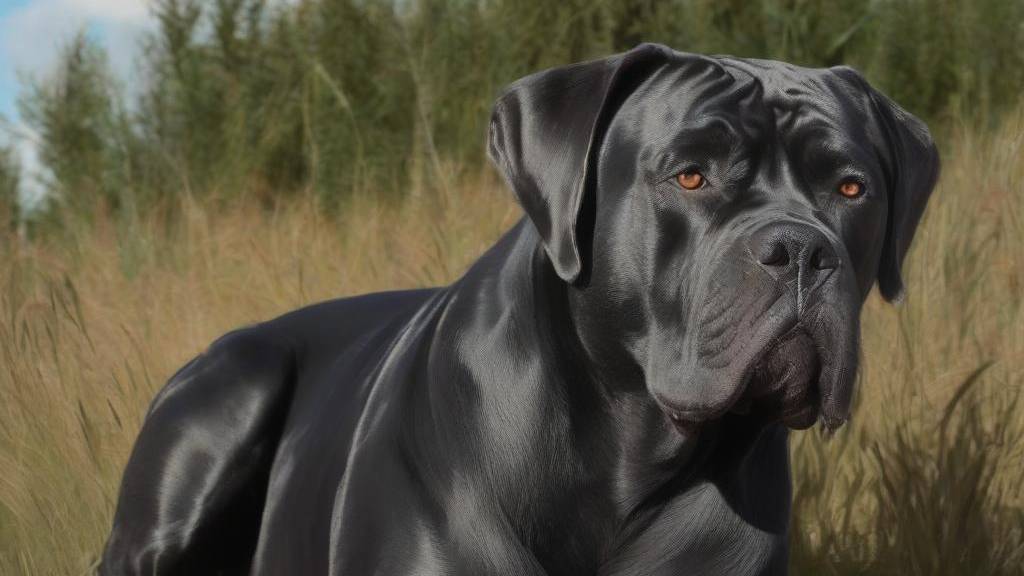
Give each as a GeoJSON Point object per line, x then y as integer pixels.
{"type": "Point", "coordinates": [790, 371]}
{"type": "Point", "coordinates": [783, 385]}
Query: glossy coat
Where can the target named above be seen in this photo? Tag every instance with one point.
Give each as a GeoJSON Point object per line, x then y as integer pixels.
{"type": "Point", "coordinates": [606, 391]}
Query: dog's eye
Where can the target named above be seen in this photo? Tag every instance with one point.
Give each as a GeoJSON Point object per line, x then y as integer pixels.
{"type": "Point", "coordinates": [851, 189]}
{"type": "Point", "coordinates": [690, 180]}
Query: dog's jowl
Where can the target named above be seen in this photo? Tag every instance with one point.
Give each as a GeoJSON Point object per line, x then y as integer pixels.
{"type": "Point", "coordinates": [607, 390]}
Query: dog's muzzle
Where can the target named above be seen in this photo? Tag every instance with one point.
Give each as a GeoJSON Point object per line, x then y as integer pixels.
{"type": "Point", "coordinates": [775, 335]}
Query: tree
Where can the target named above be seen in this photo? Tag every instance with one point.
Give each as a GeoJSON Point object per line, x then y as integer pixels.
{"type": "Point", "coordinates": [10, 175]}
{"type": "Point", "coordinates": [83, 135]}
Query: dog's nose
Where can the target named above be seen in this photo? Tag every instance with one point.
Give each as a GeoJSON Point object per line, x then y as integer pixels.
{"type": "Point", "coordinates": [791, 250]}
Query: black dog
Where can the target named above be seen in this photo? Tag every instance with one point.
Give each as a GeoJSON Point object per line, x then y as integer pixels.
{"type": "Point", "coordinates": [606, 391]}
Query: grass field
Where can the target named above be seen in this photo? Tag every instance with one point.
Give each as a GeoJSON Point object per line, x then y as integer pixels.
{"type": "Point", "coordinates": [925, 480]}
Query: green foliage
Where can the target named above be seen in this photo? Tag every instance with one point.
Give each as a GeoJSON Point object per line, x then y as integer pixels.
{"type": "Point", "coordinates": [83, 134]}
{"type": "Point", "coordinates": [338, 96]}
{"type": "Point", "coordinates": [10, 176]}
{"type": "Point", "coordinates": [943, 58]}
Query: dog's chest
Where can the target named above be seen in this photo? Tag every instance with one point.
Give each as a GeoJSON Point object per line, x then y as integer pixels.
{"type": "Point", "coordinates": [701, 532]}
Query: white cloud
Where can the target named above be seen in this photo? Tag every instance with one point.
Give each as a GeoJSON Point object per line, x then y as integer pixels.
{"type": "Point", "coordinates": [31, 192]}
{"type": "Point", "coordinates": [32, 36]}
{"type": "Point", "coordinates": [123, 10]}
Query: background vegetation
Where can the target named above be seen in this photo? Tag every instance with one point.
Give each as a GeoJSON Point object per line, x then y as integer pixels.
{"type": "Point", "coordinates": [336, 96]}
{"type": "Point", "coordinates": [280, 154]}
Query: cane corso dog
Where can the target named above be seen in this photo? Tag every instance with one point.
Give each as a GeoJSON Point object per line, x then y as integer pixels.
{"type": "Point", "coordinates": [607, 390]}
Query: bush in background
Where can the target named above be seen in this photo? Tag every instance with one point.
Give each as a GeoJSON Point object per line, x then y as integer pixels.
{"type": "Point", "coordinates": [342, 96]}
{"type": "Point", "coordinates": [10, 177]}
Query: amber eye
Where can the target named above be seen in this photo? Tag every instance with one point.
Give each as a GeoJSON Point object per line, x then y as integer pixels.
{"type": "Point", "coordinates": [690, 180]}
{"type": "Point", "coordinates": [851, 189]}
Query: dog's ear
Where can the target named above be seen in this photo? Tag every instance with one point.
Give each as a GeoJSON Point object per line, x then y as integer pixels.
{"type": "Point", "coordinates": [545, 135]}
{"type": "Point", "coordinates": [912, 169]}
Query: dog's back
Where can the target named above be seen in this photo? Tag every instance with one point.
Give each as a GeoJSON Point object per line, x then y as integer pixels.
{"type": "Point", "coordinates": [226, 430]}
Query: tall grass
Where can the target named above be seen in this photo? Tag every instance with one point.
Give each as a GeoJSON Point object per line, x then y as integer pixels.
{"type": "Point", "coordinates": [927, 477]}
{"type": "Point", "coordinates": [924, 480]}
{"type": "Point", "coordinates": [91, 324]}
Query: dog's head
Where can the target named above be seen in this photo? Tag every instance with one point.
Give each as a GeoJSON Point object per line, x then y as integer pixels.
{"type": "Point", "coordinates": [721, 219]}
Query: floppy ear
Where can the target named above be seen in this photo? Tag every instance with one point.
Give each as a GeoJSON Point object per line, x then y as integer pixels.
{"type": "Point", "coordinates": [545, 135]}
{"type": "Point", "coordinates": [913, 170]}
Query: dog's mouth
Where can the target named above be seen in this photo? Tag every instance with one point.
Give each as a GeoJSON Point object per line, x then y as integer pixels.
{"type": "Point", "coordinates": [773, 365]}
{"type": "Point", "coordinates": [783, 383]}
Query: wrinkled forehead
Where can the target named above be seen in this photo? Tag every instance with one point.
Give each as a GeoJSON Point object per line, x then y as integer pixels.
{"type": "Point", "coordinates": [762, 97]}
{"type": "Point", "coordinates": [805, 98]}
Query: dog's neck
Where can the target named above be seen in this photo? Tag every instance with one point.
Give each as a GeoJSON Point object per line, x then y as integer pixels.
{"type": "Point", "coordinates": [584, 428]}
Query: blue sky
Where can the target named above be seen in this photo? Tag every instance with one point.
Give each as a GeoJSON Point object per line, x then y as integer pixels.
{"type": "Point", "coordinates": [32, 31]}
{"type": "Point", "coordinates": [8, 84]}
{"type": "Point", "coordinates": [31, 34]}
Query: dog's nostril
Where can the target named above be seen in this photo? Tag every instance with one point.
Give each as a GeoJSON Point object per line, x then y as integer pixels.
{"type": "Point", "coordinates": [773, 254]}
{"type": "Point", "coordinates": [824, 259]}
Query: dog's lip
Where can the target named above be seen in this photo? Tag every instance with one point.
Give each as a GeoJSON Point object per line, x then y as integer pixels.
{"type": "Point", "coordinates": [797, 413]}
{"type": "Point", "coordinates": [801, 417]}
{"type": "Point", "coordinates": [803, 411]}
{"type": "Point", "coordinates": [687, 419]}
{"type": "Point", "coordinates": [686, 427]}
{"type": "Point", "coordinates": [693, 418]}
